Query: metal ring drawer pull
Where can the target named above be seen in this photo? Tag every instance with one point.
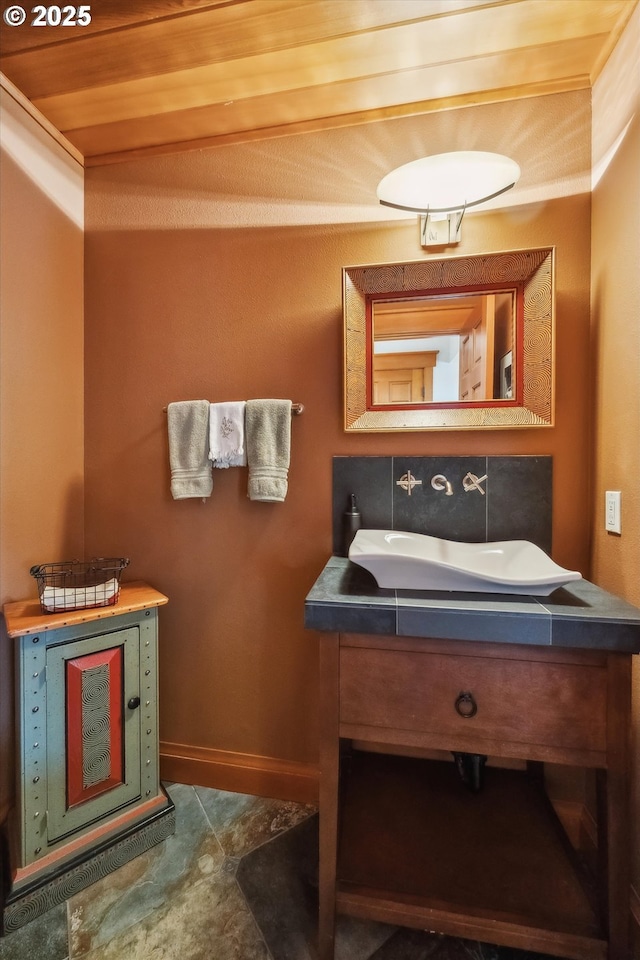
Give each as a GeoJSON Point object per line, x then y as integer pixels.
{"type": "Point", "coordinates": [466, 705]}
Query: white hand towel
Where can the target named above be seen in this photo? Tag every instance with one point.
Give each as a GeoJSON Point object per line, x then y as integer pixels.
{"type": "Point", "coordinates": [226, 434]}
{"type": "Point", "coordinates": [268, 426]}
{"type": "Point", "coordinates": [188, 424]}
{"type": "Point", "coordinates": [69, 598]}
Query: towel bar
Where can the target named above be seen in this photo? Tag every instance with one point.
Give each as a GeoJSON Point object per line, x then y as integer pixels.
{"type": "Point", "coordinates": [296, 409]}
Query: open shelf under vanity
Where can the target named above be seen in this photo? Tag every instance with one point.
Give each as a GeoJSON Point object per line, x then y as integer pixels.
{"type": "Point", "coordinates": [418, 848]}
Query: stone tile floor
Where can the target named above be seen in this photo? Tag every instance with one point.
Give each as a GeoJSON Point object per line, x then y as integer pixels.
{"type": "Point", "coordinates": [237, 881]}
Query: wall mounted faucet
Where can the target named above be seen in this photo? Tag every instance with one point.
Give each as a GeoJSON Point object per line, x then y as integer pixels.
{"type": "Point", "coordinates": [407, 481]}
{"type": "Point", "coordinates": [471, 482]}
{"type": "Point", "coordinates": [439, 482]}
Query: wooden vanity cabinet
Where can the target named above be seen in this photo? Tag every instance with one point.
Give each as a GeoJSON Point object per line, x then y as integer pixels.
{"type": "Point", "coordinates": [404, 841]}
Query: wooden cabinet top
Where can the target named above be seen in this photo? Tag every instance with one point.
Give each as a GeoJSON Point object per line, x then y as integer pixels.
{"type": "Point", "coordinates": [26, 616]}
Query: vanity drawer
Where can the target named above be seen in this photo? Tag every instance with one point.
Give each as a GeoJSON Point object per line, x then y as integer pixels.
{"type": "Point", "coordinates": [493, 704]}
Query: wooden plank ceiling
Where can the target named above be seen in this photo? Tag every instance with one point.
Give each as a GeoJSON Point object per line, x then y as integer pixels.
{"type": "Point", "coordinates": [151, 76]}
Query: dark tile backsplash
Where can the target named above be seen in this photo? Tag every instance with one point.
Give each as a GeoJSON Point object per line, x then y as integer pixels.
{"type": "Point", "coordinates": [516, 504]}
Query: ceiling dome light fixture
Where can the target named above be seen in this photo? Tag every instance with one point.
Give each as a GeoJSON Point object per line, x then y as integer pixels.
{"type": "Point", "coordinates": [447, 183]}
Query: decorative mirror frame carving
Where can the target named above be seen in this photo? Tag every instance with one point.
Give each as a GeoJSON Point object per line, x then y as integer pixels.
{"type": "Point", "coordinates": [532, 270]}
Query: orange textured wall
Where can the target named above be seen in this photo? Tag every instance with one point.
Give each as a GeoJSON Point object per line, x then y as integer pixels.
{"type": "Point", "coordinates": [616, 339]}
{"type": "Point", "coordinates": [178, 313]}
{"type": "Point", "coordinates": [41, 374]}
{"type": "Point", "coordinates": [616, 345]}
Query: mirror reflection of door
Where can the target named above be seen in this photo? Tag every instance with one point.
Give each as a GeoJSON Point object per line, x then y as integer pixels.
{"type": "Point", "coordinates": [476, 355]}
{"type": "Point", "coordinates": [404, 377]}
{"type": "Point", "coordinates": [443, 349]}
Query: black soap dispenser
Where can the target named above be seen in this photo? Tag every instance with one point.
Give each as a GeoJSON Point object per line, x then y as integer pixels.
{"type": "Point", "coordinates": [350, 523]}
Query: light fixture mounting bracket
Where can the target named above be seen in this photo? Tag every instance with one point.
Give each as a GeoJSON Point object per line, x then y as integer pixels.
{"type": "Point", "coordinates": [441, 229]}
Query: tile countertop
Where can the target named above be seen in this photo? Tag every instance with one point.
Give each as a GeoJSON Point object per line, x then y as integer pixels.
{"type": "Point", "coordinates": [346, 599]}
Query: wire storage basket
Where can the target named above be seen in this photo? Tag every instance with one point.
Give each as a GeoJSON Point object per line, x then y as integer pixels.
{"type": "Point", "coordinates": [79, 584]}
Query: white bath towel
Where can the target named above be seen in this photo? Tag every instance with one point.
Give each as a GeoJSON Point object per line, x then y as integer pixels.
{"type": "Point", "coordinates": [226, 434]}
{"type": "Point", "coordinates": [188, 423]}
{"type": "Point", "coordinates": [69, 598]}
{"type": "Point", "coordinates": [268, 427]}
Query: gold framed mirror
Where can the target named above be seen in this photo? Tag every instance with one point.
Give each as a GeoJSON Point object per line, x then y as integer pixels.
{"type": "Point", "coordinates": [492, 313]}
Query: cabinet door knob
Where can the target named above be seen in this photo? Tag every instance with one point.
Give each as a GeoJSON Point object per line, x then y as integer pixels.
{"type": "Point", "coordinates": [466, 705]}
{"type": "Point", "coordinates": [133, 703]}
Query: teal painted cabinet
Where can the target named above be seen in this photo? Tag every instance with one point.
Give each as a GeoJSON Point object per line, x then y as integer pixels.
{"type": "Point", "coordinates": [88, 794]}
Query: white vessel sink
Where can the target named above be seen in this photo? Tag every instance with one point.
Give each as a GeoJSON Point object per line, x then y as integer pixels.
{"type": "Point", "coordinates": [414, 561]}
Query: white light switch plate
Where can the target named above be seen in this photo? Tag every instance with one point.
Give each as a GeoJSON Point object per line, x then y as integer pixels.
{"type": "Point", "coordinates": [612, 521]}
